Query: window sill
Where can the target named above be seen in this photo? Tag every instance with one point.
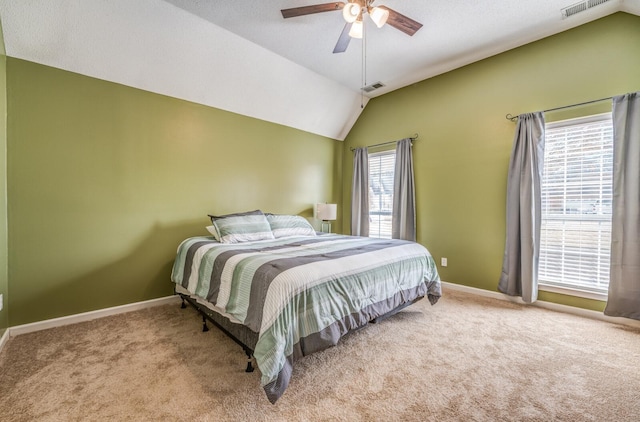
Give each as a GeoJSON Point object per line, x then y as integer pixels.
{"type": "Point", "coordinates": [572, 292]}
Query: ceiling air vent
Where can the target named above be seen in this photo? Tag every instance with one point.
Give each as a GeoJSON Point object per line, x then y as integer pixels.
{"type": "Point", "coordinates": [373, 86]}
{"type": "Point", "coordinates": [580, 7]}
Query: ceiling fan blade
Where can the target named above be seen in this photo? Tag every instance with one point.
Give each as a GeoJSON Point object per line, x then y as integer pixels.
{"type": "Point", "coordinates": [401, 22]}
{"type": "Point", "coordinates": [308, 10]}
{"type": "Point", "coordinates": [343, 41]}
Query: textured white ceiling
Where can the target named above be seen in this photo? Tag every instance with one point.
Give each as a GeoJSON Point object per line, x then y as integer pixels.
{"type": "Point", "coordinates": [152, 45]}
{"type": "Point", "coordinates": [242, 56]}
{"type": "Point", "coordinates": [455, 33]}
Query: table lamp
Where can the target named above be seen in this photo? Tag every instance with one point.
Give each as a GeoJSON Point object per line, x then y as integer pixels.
{"type": "Point", "coordinates": [326, 213]}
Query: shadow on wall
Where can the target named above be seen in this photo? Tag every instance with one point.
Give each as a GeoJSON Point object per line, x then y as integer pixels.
{"type": "Point", "coordinates": [143, 274]}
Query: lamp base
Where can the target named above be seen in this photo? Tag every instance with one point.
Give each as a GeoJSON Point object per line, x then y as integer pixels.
{"type": "Point", "coordinates": [327, 224]}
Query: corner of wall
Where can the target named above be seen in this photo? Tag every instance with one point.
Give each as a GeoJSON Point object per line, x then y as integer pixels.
{"type": "Point", "coordinates": [4, 276]}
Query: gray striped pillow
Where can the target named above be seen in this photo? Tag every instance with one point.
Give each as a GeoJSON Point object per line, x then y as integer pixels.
{"type": "Point", "coordinates": [290, 225]}
{"type": "Point", "coordinates": [242, 227]}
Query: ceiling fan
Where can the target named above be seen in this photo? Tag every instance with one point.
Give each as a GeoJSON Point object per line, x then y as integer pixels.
{"type": "Point", "coordinates": [353, 12]}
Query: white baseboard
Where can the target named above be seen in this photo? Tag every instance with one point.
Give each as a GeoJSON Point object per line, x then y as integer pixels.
{"type": "Point", "coordinates": [101, 313]}
{"type": "Point", "coordinates": [587, 313]}
{"type": "Point", "coordinates": [4, 338]}
{"type": "Point", "coordinates": [88, 316]}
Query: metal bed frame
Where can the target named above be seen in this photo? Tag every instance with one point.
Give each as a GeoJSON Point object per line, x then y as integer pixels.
{"type": "Point", "coordinates": [242, 335]}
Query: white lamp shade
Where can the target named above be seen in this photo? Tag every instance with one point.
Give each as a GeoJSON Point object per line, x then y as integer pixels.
{"type": "Point", "coordinates": [379, 16]}
{"type": "Point", "coordinates": [350, 12]}
{"type": "Point", "coordinates": [356, 30]}
{"type": "Point", "coordinates": [327, 212]}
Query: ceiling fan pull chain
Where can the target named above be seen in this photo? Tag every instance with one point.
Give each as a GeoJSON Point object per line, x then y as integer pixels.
{"type": "Point", "coordinates": [364, 66]}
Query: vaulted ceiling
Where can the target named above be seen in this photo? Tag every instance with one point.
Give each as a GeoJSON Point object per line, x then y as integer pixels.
{"type": "Point", "coordinates": [244, 57]}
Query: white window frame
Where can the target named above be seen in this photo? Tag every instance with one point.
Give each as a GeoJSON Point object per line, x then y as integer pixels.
{"type": "Point", "coordinates": [548, 285]}
{"type": "Point", "coordinates": [370, 156]}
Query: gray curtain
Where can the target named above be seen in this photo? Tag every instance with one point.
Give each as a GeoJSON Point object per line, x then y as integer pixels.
{"type": "Point", "coordinates": [403, 216]}
{"type": "Point", "coordinates": [522, 247]}
{"type": "Point", "coordinates": [360, 193]}
{"type": "Point", "coordinates": [624, 281]}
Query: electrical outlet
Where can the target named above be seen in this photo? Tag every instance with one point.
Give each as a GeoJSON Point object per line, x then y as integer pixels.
{"type": "Point", "coordinates": [1, 301]}
{"type": "Point", "coordinates": [443, 262]}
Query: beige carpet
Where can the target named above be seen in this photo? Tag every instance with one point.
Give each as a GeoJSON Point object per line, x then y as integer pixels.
{"type": "Point", "coordinates": [466, 358]}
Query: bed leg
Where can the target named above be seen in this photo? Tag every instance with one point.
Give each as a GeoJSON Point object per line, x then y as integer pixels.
{"type": "Point", "coordinates": [204, 324]}
{"type": "Point", "coordinates": [250, 367]}
{"type": "Point", "coordinates": [184, 305]}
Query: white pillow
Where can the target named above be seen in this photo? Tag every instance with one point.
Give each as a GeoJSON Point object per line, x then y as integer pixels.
{"type": "Point", "coordinates": [214, 232]}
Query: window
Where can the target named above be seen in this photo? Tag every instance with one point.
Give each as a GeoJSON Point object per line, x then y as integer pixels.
{"type": "Point", "coordinates": [575, 236]}
{"type": "Point", "coordinates": [381, 169]}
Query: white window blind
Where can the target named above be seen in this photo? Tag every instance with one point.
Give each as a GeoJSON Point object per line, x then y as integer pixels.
{"type": "Point", "coordinates": [381, 168]}
{"type": "Point", "coordinates": [576, 192]}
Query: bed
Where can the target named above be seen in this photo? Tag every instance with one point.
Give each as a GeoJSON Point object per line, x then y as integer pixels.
{"type": "Point", "coordinates": [289, 292]}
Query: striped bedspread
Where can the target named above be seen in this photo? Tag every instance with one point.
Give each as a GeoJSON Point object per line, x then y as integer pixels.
{"type": "Point", "coordinates": [301, 294]}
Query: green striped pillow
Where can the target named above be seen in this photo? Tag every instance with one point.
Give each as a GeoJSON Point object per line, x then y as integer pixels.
{"type": "Point", "coordinates": [242, 227]}
{"type": "Point", "coordinates": [290, 225]}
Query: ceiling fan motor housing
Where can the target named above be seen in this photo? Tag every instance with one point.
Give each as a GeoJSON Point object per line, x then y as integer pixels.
{"type": "Point", "coordinates": [352, 12]}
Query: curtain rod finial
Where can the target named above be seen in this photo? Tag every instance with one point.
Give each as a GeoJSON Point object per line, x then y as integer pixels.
{"type": "Point", "coordinates": [510, 117]}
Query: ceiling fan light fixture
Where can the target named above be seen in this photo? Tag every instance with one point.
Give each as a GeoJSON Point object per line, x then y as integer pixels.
{"type": "Point", "coordinates": [356, 29]}
{"type": "Point", "coordinates": [350, 12]}
{"type": "Point", "coordinates": [379, 16]}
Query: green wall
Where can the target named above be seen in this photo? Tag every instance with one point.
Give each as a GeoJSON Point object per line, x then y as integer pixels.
{"type": "Point", "coordinates": [104, 181]}
{"type": "Point", "coordinates": [462, 154]}
{"type": "Point", "coordinates": [4, 282]}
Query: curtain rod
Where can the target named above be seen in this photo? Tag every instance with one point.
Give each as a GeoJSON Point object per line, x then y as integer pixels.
{"type": "Point", "coordinates": [514, 118]}
{"type": "Point", "coordinates": [413, 138]}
